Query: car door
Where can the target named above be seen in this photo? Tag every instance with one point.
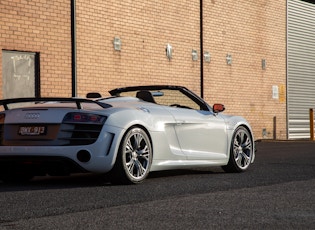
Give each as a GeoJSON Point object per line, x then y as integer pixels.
{"type": "Point", "coordinates": [201, 134]}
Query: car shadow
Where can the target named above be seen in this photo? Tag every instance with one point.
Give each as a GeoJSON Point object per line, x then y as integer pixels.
{"type": "Point", "coordinates": [57, 182]}
{"type": "Point", "coordinates": [181, 172]}
{"type": "Point", "coordinates": [92, 180]}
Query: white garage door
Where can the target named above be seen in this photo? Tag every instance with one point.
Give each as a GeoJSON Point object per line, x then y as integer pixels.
{"type": "Point", "coordinates": [300, 66]}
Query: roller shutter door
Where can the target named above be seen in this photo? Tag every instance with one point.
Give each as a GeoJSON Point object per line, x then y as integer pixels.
{"type": "Point", "coordinates": [300, 66]}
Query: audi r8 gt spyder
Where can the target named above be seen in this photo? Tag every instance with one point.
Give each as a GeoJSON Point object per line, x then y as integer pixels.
{"type": "Point", "coordinates": [136, 130]}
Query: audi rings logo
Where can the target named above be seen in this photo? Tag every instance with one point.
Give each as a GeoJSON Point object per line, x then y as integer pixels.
{"type": "Point", "coordinates": [31, 116]}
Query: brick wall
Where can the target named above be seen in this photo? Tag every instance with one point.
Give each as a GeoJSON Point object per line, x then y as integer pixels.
{"type": "Point", "coordinates": [145, 28]}
{"type": "Point", "coordinates": [248, 30]}
{"type": "Point", "coordinates": [43, 27]}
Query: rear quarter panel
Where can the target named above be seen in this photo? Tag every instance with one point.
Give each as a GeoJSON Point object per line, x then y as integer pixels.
{"type": "Point", "coordinates": [157, 121]}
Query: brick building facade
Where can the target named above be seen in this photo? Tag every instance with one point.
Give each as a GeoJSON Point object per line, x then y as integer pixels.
{"type": "Point", "coordinates": [248, 31]}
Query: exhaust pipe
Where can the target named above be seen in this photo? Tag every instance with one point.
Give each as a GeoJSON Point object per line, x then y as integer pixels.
{"type": "Point", "coordinates": [84, 156]}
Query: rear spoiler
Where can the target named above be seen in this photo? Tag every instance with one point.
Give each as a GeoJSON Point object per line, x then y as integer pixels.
{"type": "Point", "coordinates": [77, 101]}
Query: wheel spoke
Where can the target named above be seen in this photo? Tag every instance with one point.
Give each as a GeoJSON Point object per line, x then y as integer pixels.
{"type": "Point", "coordinates": [241, 137]}
{"type": "Point", "coordinates": [236, 146]}
{"type": "Point", "coordinates": [138, 139]}
{"type": "Point", "coordinates": [143, 152]}
{"type": "Point", "coordinates": [130, 165]}
{"type": "Point", "coordinates": [246, 159]}
{"type": "Point", "coordinates": [247, 144]}
{"type": "Point", "coordinates": [145, 157]}
{"type": "Point", "coordinates": [140, 170]}
{"type": "Point", "coordinates": [129, 147]}
{"type": "Point", "coordinates": [238, 160]}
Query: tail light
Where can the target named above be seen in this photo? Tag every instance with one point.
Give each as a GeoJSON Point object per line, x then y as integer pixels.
{"type": "Point", "coordinates": [84, 118]}
{"type": "Point", "coordinates": [2, 116]}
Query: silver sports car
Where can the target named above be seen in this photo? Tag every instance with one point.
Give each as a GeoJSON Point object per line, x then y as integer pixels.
{"type": "Point", "coordinates": [136, 130]}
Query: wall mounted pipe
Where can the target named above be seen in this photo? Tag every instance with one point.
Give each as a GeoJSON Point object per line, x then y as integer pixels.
{"type": "Point", "coordinates": [73, 49]}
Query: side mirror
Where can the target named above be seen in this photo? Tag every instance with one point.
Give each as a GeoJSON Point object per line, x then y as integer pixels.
{"type": "Point", "coordinates": [217, 108]}
{"type": "Point", "coordinates": [93, 95]}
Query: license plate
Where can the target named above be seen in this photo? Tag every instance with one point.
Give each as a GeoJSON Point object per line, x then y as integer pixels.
{"type": "Point", "coordinates": [32, 130]}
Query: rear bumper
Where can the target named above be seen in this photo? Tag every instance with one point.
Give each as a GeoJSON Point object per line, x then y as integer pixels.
{"type": "Point", "coordinates": [102, 155]}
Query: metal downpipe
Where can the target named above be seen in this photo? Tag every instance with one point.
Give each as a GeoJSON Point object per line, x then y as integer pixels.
{"type": "Point", "coordinates": [73, 49]}
{"type": "Point", "coordinates": [201, 51]}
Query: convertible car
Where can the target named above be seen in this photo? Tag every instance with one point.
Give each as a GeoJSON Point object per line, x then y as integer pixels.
{"type": "Point", "coordinates": [135, 131]}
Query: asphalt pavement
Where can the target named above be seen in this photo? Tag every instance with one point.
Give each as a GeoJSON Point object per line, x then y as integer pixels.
{"type": "Point", "coordinates": [277, 192]}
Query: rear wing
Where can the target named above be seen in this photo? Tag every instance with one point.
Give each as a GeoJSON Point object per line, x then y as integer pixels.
{"type": "Point", "coordinates": [77, 101]}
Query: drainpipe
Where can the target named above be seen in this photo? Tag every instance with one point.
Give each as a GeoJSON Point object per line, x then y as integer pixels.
{"type": "Point", "coordinates": [73, 50]}
{"type": "Point", "coordinates": [201, 50]}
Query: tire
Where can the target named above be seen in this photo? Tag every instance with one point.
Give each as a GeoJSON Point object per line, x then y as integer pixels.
{"type": "Point", "coordinates": [241, 151]}
{"type": "Point", "coordinates": [134, 158]}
